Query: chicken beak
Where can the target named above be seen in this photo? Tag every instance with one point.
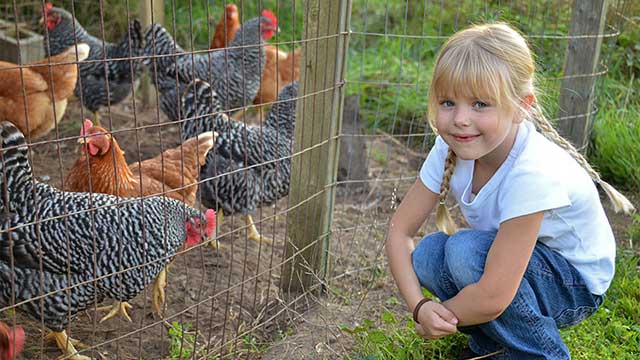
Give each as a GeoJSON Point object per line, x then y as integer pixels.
{"type": "Point", "coordinates": [82, 140]}
{"type": "Point", "coordinates": [41, 21]}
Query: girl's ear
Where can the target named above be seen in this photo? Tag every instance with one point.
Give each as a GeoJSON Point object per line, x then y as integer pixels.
{"type": "Point", "coordinates": [525, 106]}
{"type": "Point", "coordinates": [527, 101]}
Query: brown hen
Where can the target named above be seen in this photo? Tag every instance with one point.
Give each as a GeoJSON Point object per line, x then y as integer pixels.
{"type": "Point", "coordinates": [227, 27]}
{"type": "Point", "coordinates": [109, 173]}
{"type": "Point", "coordinates": [124, 180]}
{"type": "Point", "coordinates": [46, 91]}
{"type": "Point", "coordinates": [282, 68]}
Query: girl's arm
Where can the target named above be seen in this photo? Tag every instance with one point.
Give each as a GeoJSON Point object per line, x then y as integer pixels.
{"type": "Point", "coordinates": [506, 263]}
{"type": "Point", "coordinates": [414, 209]}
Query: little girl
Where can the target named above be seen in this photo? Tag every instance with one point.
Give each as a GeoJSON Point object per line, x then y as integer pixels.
{"type": "Point", "coordinates": [540, 252]}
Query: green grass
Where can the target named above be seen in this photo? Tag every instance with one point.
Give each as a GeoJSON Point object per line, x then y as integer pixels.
{"type": "Point", "coordinates": [395, 338]}
{"type": "Point", "coordinates": [615, 144]}
{"type": "Point", "coordinates": [615, 141]}
{"type": "Point", "coordinates": [183, 344]}
{"type": "Point", "coordinates": [613, 332]}
{"type": "Point", "coordinates": [633, 233]}
{"type": "Point", "coordinates": [182, 341]}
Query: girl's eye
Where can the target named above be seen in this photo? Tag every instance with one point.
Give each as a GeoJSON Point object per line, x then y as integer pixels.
{"type": "Point", "coordinates": [446, 103]}
{"type": "Point", "coordinates": [480, 105]}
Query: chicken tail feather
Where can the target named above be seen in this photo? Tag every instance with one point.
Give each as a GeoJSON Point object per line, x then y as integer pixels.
{"type": "Point", "coordinates": [15, 171]}
{"type": "Point", "coordinates": [159, 42]}
{"type": "Point", "coordinates": [134, 37]}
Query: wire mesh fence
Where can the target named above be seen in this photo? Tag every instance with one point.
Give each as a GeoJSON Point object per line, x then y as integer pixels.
{"type": "Point", "coordinates": [214, 67]}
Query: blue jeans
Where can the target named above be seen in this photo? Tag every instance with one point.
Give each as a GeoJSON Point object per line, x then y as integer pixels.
{"type": "Point", "coordinates": [552, 294]}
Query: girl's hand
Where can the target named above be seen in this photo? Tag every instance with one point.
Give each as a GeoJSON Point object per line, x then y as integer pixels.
{"type": "Point", "coordinates": [436, 321]}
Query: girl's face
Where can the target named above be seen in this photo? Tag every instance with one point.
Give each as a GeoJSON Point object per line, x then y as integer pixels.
{"type": "Point", "coordinates": [477, 130]}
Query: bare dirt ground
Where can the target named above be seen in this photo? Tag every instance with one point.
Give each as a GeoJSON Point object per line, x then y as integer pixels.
{"type": "Point", "coordinates": [229, 299]}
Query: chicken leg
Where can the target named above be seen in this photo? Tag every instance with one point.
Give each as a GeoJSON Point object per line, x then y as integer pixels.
{"type": "Point", "coordinates": [117, 307]}
{"type": "Point", "coordinates": [254, 234]}
{"type": "Point", "coordinates": [67, 345]}
{"type": "Point", "coordinates": [96, 118]}
{"type": "Point", "coordinates": [158, 290]}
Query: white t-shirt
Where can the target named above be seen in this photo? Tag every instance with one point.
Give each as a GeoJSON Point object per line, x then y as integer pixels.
{"type": "Point", "coordinates": [536, 176]}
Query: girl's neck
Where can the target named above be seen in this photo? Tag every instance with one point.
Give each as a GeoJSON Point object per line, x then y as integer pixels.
{"type": "Point", "coordinates": [485, 167]}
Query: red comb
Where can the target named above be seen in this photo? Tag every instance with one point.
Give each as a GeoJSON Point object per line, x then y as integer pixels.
{"type": "Point", "coordinates": [86, 125]}
{"type": "Point", "coordinates": [16, 338]}
{"type": "Point", "coordinates": [47, 7]}
{"type": "Point", "coordinates": [269, 14]}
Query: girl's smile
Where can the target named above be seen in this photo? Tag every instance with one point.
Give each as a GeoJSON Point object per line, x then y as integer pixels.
{"type": "Point", "coordinates": [465, 138]}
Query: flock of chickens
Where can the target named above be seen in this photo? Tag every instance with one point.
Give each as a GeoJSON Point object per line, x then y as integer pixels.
{"type": "Point", "coordinates": [39, 253]}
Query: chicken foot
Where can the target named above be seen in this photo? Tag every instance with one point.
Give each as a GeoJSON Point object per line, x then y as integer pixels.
{"type": "Point", "coordinates": [117, 307]}
{"type": "Point", "coordinates": [253, 231]}
{"type": "Point", "coordinates": [254, 234]}
{"type": "Point", "coordinates": [67, 345]}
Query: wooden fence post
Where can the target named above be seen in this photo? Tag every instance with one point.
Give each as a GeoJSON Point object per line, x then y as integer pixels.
{"type": "Point", "coordinates": [151, 11]}
{"type": "Point", "coordinates": [581, 61]}
{"type": "Point", "coordinates": [318, 119]}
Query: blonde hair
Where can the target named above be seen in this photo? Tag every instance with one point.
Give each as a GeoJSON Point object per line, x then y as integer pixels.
{"type": "Point", "coordinates": [493, 62]}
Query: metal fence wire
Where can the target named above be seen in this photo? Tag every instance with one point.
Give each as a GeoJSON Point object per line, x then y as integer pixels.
{"type": "Point", "coordinates": [300, 123]}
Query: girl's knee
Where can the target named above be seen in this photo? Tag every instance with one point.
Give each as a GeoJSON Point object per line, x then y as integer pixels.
{"type": "Point", "coordinates": [465, 254]}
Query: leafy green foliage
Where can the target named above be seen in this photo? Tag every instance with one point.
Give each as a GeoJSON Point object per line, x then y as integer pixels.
{"type": "Point", "coordinates": [182, 342]}
{"type": "Point", "coordinates": [395, 338]}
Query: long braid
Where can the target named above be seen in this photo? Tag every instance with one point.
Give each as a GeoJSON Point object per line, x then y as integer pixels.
{"type": "Point", "coordinates": [443, 217]}
{"type": "Point", "coordinates": [619, 201]}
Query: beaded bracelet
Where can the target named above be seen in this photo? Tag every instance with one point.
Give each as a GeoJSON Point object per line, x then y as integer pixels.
{"type": "Point", "coordinates": [417, 308]}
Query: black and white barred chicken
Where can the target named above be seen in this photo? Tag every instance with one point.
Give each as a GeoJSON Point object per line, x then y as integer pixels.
{"type": "Point", "coordinates": [234, 72]}
{"type": "Point", "coordinates": [63, 30]}
{"type": "Point", "coordinates": [263, 152]}
{"type": "Point", "coordinates": [80, 240]}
